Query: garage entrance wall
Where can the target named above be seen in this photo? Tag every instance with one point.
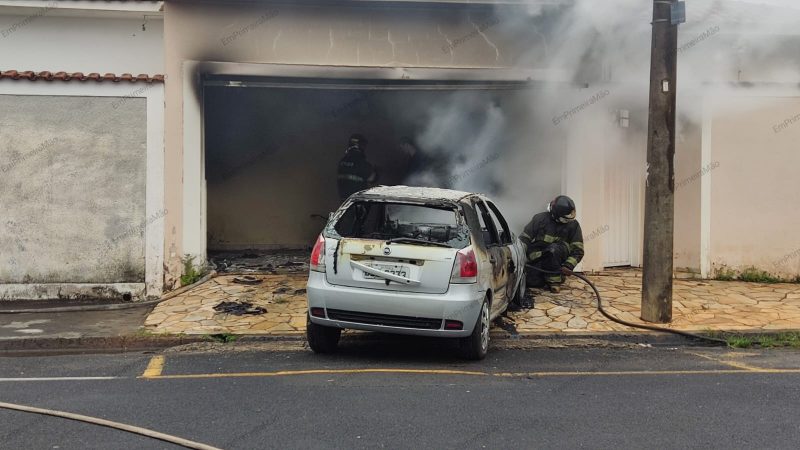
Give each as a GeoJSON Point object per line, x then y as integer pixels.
{"type": "Point", "coordinates": [271, 153]}
{"type": "Point", "coordinates": [346, 36]}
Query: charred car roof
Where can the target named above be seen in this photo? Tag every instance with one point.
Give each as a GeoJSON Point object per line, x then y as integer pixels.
{"type": "Point", "coordinates": [414, 194]}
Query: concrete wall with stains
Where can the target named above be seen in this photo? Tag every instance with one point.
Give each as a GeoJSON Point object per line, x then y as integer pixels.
{"type": "Point", "coordinates": [72, 195]}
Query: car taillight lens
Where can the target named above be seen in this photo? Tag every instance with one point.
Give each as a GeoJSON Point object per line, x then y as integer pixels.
{"type": "Point", "coordinates": [453, 325]}
{"type": "Point", "coordinates": [317, 263]}
{"type": "Point", "coordinates": [465, 269]}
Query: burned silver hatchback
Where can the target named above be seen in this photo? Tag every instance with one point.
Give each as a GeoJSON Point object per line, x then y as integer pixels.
{"type": "Point", "coordinates": [421, 261]}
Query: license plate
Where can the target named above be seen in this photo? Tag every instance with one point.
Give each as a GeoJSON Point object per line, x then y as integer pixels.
{"type": "Point", "coordinates": [400, 271]}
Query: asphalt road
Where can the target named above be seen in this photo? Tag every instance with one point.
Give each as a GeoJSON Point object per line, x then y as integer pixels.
{"type": "Point", "coordinates": [411, 394]}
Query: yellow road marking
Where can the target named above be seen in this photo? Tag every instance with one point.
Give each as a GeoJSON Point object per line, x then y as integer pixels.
{"type": "Point", "coordinates": [284, 373]}
{"type": "Point", "coordinates": [735, 364]}
{"type": "Point", "coordinates": [154, 368]}
{"type": "Point", "coordinates": [642, 372]}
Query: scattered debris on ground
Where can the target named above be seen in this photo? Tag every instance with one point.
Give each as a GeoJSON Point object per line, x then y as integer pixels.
{"type": "Point", "coordinates": [507, 325]}
{"type": "Point", "coordinates": [247, 279]}
{"type": "Point", "coordinates": [239, 308]}
{"type": "Point", "coordinates": [267, 262]}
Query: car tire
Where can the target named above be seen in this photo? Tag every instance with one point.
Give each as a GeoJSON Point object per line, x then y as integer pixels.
{"type": "Point", "coordinates": [322, 339]}
{"type": "Point", "coordinates": [476, 345]}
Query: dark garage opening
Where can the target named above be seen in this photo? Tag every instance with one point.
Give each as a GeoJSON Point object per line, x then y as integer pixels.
{"type": "Point", "coordinates": [271, 149]}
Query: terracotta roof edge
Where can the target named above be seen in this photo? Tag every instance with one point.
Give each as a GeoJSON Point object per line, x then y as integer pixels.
{"type": "Point", "coordinates": [46, 75]}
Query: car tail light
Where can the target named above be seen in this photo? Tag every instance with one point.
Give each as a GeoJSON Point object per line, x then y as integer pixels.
{"type": "Point", "coordinates": [318, 312]}
{"type": "Point", "coordinates": [465, 269]}
{"type": "Point", "coordinates": [317, 263]}
{"type": "Point", "coordinates": [453, 325]}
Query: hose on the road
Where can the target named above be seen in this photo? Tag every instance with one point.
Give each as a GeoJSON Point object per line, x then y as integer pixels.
{"type": "Point", "coordinates": [107, 423]}
{"type": "Point", "coordinates": [625, 322]}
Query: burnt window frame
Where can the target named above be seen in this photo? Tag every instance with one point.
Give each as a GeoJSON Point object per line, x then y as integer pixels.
{"type": "Point", "coordinates": [503, 223]}
{"type": "Point", "coordinates": [330, 230]}
{"type": "Point", "coordinates": [482, 212]}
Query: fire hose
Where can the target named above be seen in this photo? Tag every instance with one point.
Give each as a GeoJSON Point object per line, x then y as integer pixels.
{"type": "Point", "coordinates": [110, 424]}
{"type": "Point", "coordinates": [625, 322]}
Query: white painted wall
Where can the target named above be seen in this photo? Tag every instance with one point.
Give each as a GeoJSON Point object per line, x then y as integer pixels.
{"type": "Point", "coordinates": [94, 43]}
{"type": "Point", "coordinates": [753, 185]}
{"type": "Point", "coordinates": [82, 6]}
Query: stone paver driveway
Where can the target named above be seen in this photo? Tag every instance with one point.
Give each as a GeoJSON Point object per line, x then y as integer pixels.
{"type": "Point", "coordinates": [283, 296]}
{"type": "Point", "coordinates": [699, 305]}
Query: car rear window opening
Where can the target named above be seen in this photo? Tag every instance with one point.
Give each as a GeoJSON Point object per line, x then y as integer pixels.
{"type": "Point", "coordinates": [400, 221]}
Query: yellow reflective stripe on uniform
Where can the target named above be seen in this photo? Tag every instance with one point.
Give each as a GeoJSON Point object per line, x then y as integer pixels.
{"type": "Point", "coordinates": [554, 278]}
{"type": "Point", "coordinates": [578, 244]}
{"type": "Point", "coordinates": [534, 255]}
{"type": "Point", "coordinates": [572, 261]}
{"type": "Point", "coordinates": [350, 177]}
{"type": "Point", "coordinates": [550, 239]}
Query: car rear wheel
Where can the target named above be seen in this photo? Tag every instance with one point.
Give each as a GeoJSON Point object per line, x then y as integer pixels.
{"type": "Point", "coordinates": [476, 345]}
{"type": "Point", "coordinates": [322, 339]}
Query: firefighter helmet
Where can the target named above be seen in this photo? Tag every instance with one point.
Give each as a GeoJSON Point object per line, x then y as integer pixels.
{"type": "Point", "coordinates": [562, 209]}
{"type": "Point", "coordinates": [358, 140]}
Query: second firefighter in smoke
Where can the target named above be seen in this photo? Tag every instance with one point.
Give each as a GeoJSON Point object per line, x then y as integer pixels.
{"type": "Point", "coordinates": [355, 173]}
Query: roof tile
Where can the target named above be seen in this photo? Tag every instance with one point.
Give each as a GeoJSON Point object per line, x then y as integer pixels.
{"type": "Point", "coordinates": [79, 76]}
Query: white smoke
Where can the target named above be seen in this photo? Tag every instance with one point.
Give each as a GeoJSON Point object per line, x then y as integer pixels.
{"type": "Point", "coordinates": [462, 135]}
{"type": "Point", "coordinates": [602, 52]}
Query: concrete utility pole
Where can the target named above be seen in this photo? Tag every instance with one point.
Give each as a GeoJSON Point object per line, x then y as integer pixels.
{"type": "Point", "coordinates": [659, 207]}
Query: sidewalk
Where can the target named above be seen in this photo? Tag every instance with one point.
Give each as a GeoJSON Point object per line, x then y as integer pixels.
{"type": "Point", "coordinates": [72, 325]}
{"type": "Point", "coordinates": [699, 305]}
{"type": "Point", "coordinates": [78, 331]}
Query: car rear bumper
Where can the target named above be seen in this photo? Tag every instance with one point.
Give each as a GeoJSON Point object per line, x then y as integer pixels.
{"type": "Point", "coordinates": [395, 312]}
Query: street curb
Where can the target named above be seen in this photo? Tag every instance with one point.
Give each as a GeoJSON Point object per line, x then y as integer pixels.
{"type": "Point", "coordinates": [644, 337]}
{"type": "Point", "coordinates": [143, 343]}
{"type": "Point", "coordinates": [633, 337]}
{"type": "Point", "coordinates": [94, 344]}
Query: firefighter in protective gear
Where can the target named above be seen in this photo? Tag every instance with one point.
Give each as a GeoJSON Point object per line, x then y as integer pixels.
{"type": "Point", "coordinates": [354, 173]}
{"type": "Point", "coordinates": [554, 244]}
